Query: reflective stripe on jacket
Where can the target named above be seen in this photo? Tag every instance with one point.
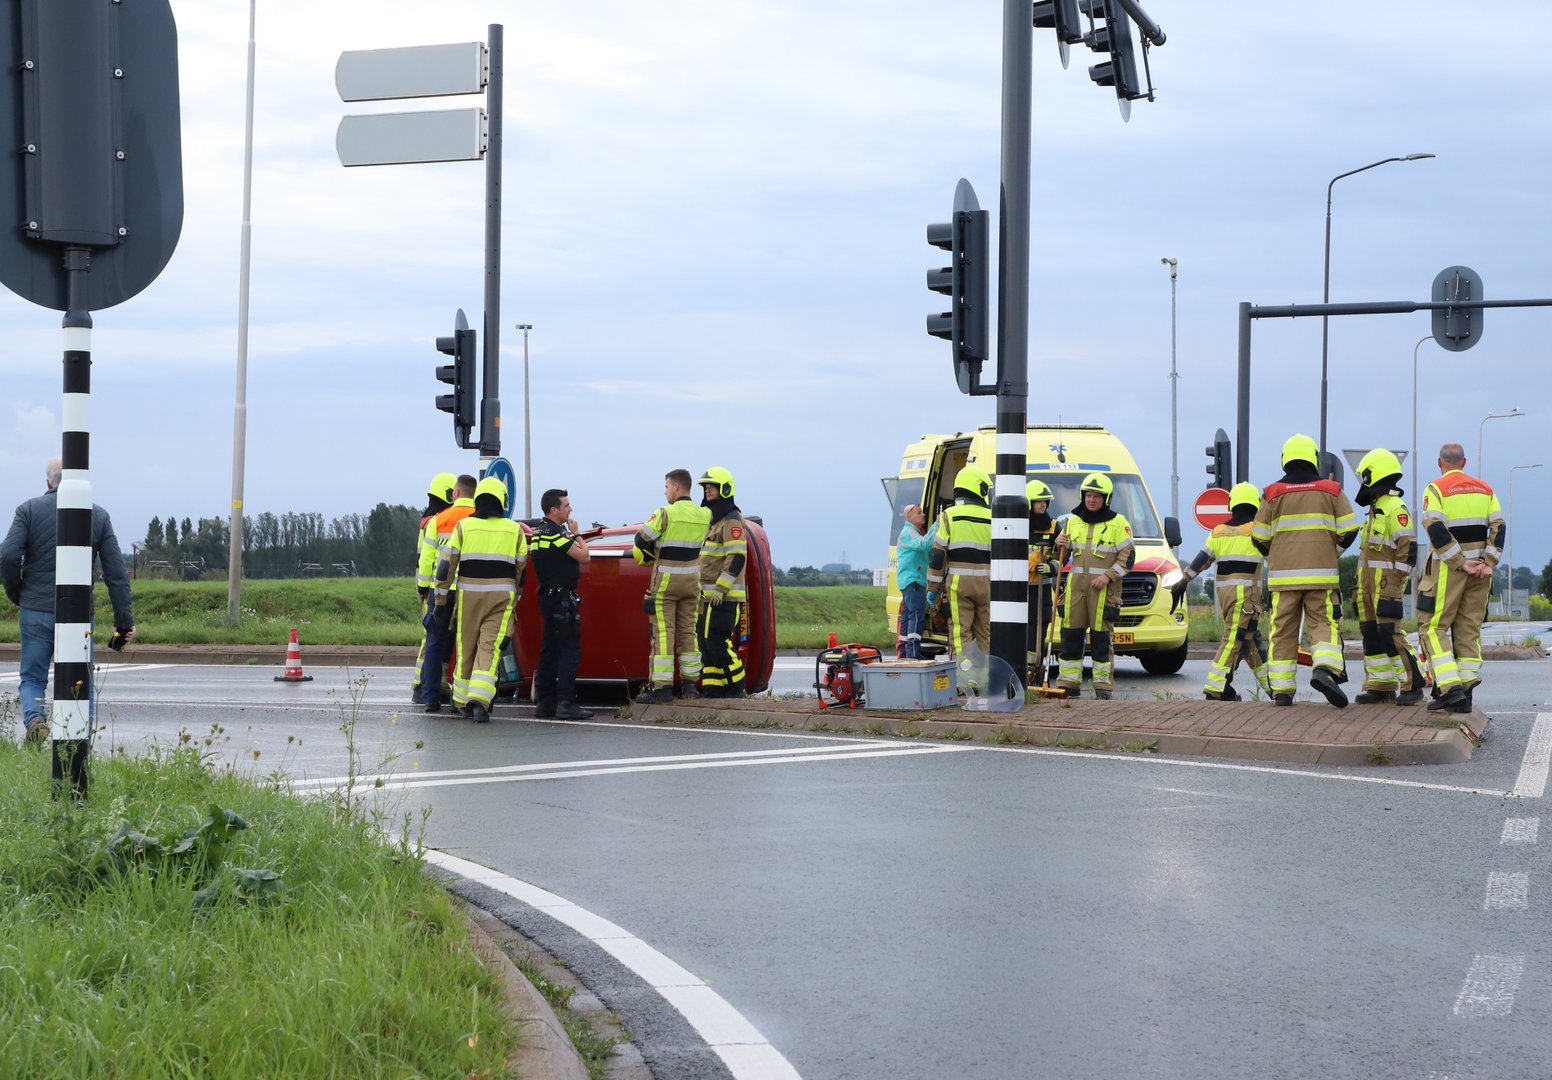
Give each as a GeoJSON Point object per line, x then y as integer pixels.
{"type": "Point", "coordinates": [1386, 549]}
{"type": "Point", "coordinates": [1094, 549]}
{"type": "Point", "coordinates": [963, 544]}
{"type": "Point", "coordinates": [1300, 527]}
{"type": "Point", "coordinates": [1468, 508]}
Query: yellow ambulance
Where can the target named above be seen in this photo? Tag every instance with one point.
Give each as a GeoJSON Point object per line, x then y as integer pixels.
{"type": "Point", "coordinates": [1061, 456]}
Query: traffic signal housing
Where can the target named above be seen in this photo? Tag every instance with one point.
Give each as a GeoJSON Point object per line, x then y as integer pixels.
{"type": "Point", "coordinates": [1220, 462]}
{"type": "Point", "coordinates": [1061, 16]}
{"type": "Point", "coordinates": [1112, 34]}
{"type": "Point", "coordinates": [460, 345]}
{"type": "Point", "coordinates": [966, 281]}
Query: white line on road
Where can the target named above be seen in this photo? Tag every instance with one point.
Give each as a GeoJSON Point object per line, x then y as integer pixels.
{"type": "Point", "coordinates": [1532, 781]}
{"type": "Point", "coordinates": [1490, 987]}
{"type": "Point", "coordinates": [747, 1054]}
{"type": "Point", "coordinates": [1520, 830]}
{"type": "Point", "coordinates": [103, 673]}
{"type": "Point", "coordinates": [1507, 892]}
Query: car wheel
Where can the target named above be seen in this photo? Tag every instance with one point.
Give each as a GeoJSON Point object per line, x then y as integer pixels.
{"type": "Point", "coordinates": [1165, 662]}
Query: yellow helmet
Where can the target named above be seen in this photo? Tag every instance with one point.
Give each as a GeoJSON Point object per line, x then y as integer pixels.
{"type": "Point", "coordinates": [1244, 494]}
{"type": "Point", "coordinates": [973, 478]}
{"type": "Point", "coordinates": [441, 486]}
{"type": "Point", "coordinates": [1301, 448]}
{"type": "Point", "coordinates": [1036, 491]}
{"type": "Point", "coordinates": [1098, 482]}
{"type": "Point", "coordinates": [1378, 464]}
{"type": "Point", "coordinates": [721, 477]}
{"type": "Point", "coordinates": [491, 486]}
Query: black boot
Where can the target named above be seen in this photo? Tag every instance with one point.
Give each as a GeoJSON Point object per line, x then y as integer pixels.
{"type": "Point", "coordinates": [1465, 706]}
{"type": "Point", "coordinates": [570, 710]}
{"type": "Point", "coordinates": [1447, 701]}
{"type": "Point", "coordinates": [655, 695]}
{"type": "Point", "coordinates": [544, 708]}
{"type": "Point", "coordinates": [1325, 682]}
{"type": "Point", "coordinates": [1410, 697]}
{"type": "Point", "coordinates": [479, 713]}
{"type": "Point", "coordinates": [1282, 699]}
{"type": "Point", "coordinates": [1376, 697]}
{"type": "Point", "coordinates": [689, 691]}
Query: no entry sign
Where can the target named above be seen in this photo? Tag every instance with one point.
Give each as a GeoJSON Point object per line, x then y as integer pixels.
{"type": "Point", "coordinates": [1212, 508]}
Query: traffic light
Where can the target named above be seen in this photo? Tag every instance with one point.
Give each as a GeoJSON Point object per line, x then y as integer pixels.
{"type": "Point", "coordinates": [1112, 34]}
{"type": "Point", "coordinates": [966, 281]}
{"type": "Point", "coordinates": [1061, 16]}
{"type": "Point", "coordinates": [460, 373]}
{"type": "Point", "coordinates": [1220, 468]}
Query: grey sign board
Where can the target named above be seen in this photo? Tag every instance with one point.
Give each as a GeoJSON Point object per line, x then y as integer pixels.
{"type": "Point", "coordinates": [405, 138]}
{"type": "Point", "coordinates": [417, 71]}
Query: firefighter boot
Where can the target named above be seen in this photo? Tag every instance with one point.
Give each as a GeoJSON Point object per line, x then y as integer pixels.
{"type": "Point", "coordinates": [1410, 697]}
{"type": "Point", "coordinates": [689, 691]}
{"type": "Point", "coordinates": [1448, 701]}
{"type": "Point", "coordinates": [1282, 699]}
{"type": "Point", "coordinates": [1325, 682]}
{"type": "Point", "coordinates": [479, 713]}
{"type": "Point", "coordinates": [1375, 697]}
{"type": "Point", "coordinates": [1228, 693]}
{"type": "Point", "coordinates": [655, 695]}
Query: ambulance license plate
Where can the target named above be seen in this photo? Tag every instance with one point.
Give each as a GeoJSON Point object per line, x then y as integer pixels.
{"type": "Point", "coordinates": [1123, 637]}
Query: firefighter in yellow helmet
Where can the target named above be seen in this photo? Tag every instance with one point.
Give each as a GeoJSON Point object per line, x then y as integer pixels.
{"type": "Point", "coordinates": [439, 496]}
{"type": "Point", "coordinates": [724, 556]}
{"type": "Point", "coordinates": [959, 567]}
{"type": "Point", "coordinates": [1303, 526]}
{"type": "Point", "coordinates": [436, 668]}
{"type": "Point", "coordinates": [1042, 575]}
{"type": "Point", "coordinates": [1099, 542]}
{"type": "Point", "coordinates": [1239, 595]}
{"type": "Point", "coordinates": [670, 542]}
{"type": "Point", "coordinates": [1387, 551]}
{"type": "Point", "coordinates": [484, 560]}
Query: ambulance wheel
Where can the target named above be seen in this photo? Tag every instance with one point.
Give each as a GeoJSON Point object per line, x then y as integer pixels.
{"type": "Point", "coordinates": [1164, 662]}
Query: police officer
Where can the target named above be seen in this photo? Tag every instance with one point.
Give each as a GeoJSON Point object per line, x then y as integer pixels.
{"type": "Point", "coordinates": [1239, 594]}
{"type": "Point", "coordinates": [1099, 542]}
{"type": "Point", "coordinates": [724, 557]}
{"type": "Point", "coordinates": [1387, 551]}
{"type": "Point", "coordinates": [1303, 526]}
{"type": "Point", "coordinates": [438, 651]}
{"type": "Point", "coordinates": [670, 542]}
{"type": "Point", "coordinates": [439, 496]}
{"type": "Point", "coordinates": [961, 561]}
{"type": "Point", "coordinates": [1465, 528]}
{"type": "Point", "coordinates": [1042, 574]}
{"type": "Point", "coordinates": [558, 555]}
{"type": "Point", "coordinates": [483, 559]}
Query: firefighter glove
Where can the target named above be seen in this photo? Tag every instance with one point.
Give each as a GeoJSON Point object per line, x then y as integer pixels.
{"type": "Point", "coordinates": [647, 604]}
{"type": "Point", "coordinates": [1046, 568]}
{"type": "Point", "coordinates": [711, 596]}
{"type": "Point", "coordinates": [1177, 593]}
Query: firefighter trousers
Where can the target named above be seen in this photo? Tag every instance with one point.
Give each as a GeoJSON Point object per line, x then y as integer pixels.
{"type": "Point", "coordinates": [1239, 607]}
{"type": "Point", "coordinates": [722, 669]}
{"type": "Point", "coordinates": [1388, 663]}
{"type": "Point", "coordinates": [1452, 634]}
{"type": "Point", "coordinates": [969, 602]}
{"type": "Point", "coordinates": [482, 620]}
{"type": "Point", "coordinates": [1316, 610]}
{"type": "Point", "coordinates": [1087, 611]}
{"type": "Point", "coordinates": [675, 601]}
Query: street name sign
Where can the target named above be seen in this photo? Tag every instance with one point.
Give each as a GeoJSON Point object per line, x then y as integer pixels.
{"type": "Point", "coordinates": [408, 138]}
{"type": "Point", "coordinates": [413, 72]}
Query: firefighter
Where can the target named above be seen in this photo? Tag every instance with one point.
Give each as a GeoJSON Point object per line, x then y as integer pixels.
{"type": "Point", "coordinates": [1099, 542]}
{"type": "Point", "coordinates": [1239, 595]}
{"type": "Point", "coordinates": [671, 542]}
{"type": "Point", "coordinates": [1042, 574]}
{"type": "Point", "coordinates": [558, 554]}
{"type": "Point", "coordinates": [961, 562]}
{"type": "Point", "coordinates": [1465, 527]}
{"type": "Point", "coordinates": [436, 661]}
{"type": "Point", "coordinates": [439, 496]}
{"type": "Point", "coordinates": [1387, 551]}
{"type": "Point", "coordinates": [483, 559]}
{"type": "Point", "coordinates": [724, 555]}
{"type": "Point", "coordinates": [1303, 526]}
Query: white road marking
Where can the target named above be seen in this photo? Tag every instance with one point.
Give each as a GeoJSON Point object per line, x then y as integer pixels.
{"type": "Point", "coordinates": [1520, 830]}
{"type": "Point", "coordinates": [104, 672]}
{"type": "Point", "coordinates": [1532, 781]}
{"type": "Point", "coordinates": [1490, 987]}
{"type": "Point", "coordinates": [747, 1054]}
{"type": "Point", "coordinates": [1507, 892]}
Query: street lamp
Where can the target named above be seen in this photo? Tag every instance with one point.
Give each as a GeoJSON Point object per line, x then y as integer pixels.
{"type": "Point", "coordinates": [1491, 416]}
{"type": "Point", "coordinates": [1325, 292]}
{"type": "Point", "coordinates": [1174, 382]}
{"type": "Point", "coordinates": [527, 430]}
{"type": "Point", "coordinates": [1509, 592]}
{"type": "Point", "coordinates": [1417, 493]}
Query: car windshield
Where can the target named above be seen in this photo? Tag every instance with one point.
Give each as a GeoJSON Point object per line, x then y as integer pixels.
{"type": "Point", "coordinates": [1130, 499]}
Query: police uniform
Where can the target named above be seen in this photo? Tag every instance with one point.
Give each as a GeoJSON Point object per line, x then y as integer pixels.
{"type": "Point", "coordinates": [1238, 593]}
{"type": "Point", "coordinates": [959, 567]}
{"type": "Point", "coordinates": [671, 542]}
{"type": "Point", "coordinates": [1043, 531]}
{"type": "Point", "coordinates": [1303, 526]}
{"type": "Point", "coordinates": [724, 560]}
{"type": "Point", "coordinates": [1464, 521]}
{"type": "Point", "coordinates": [483, 559]}
{"type": "Point", "coordinates": [560, 615]}
{"type": "Point", "coordinates": [1387, 551]}
{"type": "Point", "coordinates": [1099, 543]}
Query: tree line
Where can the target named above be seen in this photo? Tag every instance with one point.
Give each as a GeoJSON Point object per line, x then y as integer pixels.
{"type": "Point", "coordinates": [381, 543]}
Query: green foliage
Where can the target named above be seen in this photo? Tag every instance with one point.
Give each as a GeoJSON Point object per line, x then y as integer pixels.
{"type": "Point", "coordinates": [805, 616]}
{"type": "Point", "coordinates": [382, 542]}
{"type": "Point", "coordinates": [1540, 608]}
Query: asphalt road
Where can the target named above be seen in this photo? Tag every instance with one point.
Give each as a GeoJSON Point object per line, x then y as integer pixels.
{"type": "Point", "coordinates": [878, 909]}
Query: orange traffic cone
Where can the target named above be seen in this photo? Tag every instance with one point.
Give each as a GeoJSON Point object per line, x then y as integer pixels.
{"type": "Point", "coordinates": [832, 639]}
{"type": "Point", "coordinates": [293, 662]}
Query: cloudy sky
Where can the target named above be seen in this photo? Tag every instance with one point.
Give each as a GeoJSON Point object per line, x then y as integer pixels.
{"type": "Point", "coordinates": [714, 217]}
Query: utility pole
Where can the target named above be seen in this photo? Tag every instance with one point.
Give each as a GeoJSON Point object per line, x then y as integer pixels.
{"type": "Point", "coordinates": [1174, 405]}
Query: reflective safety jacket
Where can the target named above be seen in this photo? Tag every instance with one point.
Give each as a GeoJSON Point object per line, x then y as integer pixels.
{"type": "Point", "coordinates": [1463, 520]}
{"type": "Point", "coordinates": [1042, 548]}
{"type": "Point", "coordinates": [1387, 549]}
{"type": "Point", "coordinates": [1098, 548]}
{"type": "Point", "coordinates": [725, 551]}
{"type": "Point", "coordinates": [435, 534]}
{"type": "Point", "coordinates": [1231, 547]}
{"type": "Point", "coordinates": [671, 540]}
{"type": "Point", "coordinates": [483, 555]}
{"type": "Point", "coordinates": [963, 545]}
{"type": "Point", "coordinates": [427, 578]}
{"type": "Point", "coordinates": [1302, 529]}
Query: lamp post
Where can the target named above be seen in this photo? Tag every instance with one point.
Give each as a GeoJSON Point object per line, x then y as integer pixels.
{"type": "Point", "coordinates": [1325, 292]}
{"type": "Point", "coordinates": [1174, 382]}
{"type": "Point", "coordinates": [1491, 416]}
{"type": "Point", "coordinates": [527, 430]}
{"type": "Point", "coordinates": [240, 405]}
{"type": "Point", "coordinates": [1417, 492]}
{"type": "Point", "coordinates": [1509, 592]}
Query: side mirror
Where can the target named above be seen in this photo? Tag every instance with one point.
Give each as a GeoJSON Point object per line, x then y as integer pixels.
{"type": "Point", "coordinates": [1172, 532]}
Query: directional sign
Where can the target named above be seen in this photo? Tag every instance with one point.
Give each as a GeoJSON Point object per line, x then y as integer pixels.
{"type": "Point", "coordinates": [417, 71]}
{"type": "Point", "coordinates": [407, 138]}
{"type": "Point", "coordinates": [502, 470]}
{"type": "Point", "coordinates": [1212, 508]}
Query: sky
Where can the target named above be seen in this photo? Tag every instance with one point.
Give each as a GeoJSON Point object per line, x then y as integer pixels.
{"type": "Point", "coordinates": [714, 217]}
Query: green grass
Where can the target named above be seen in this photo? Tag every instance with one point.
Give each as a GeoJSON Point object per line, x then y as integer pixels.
{"type": "Point", "coordinates": [806, 616]}
{"type": "Point", "coordinates": [127, 958]}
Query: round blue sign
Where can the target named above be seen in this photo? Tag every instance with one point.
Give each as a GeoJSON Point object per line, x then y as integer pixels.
{"type": "Point", "coordinates": [502, 470]}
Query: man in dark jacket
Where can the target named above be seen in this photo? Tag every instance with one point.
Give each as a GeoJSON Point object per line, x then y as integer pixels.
{"type": "Point", "coordinates": [27, 572]}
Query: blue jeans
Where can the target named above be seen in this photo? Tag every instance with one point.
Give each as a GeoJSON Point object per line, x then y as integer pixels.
{"type": "Point", "coordinates": [439, 646]}
{"type": "Point", "coordinates": [913, 620]}
{"type": "Point", "coordinates": [37, 654]}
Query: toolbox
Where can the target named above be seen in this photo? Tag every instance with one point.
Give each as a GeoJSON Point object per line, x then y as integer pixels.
{"type": "Point", "coordinates": [908, 684]}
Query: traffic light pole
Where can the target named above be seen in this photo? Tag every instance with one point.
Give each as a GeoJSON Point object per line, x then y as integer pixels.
{"type": "Point", "coordinates": [1010, 510]}
{"type": "Point", "coordinates": [490, 399]}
